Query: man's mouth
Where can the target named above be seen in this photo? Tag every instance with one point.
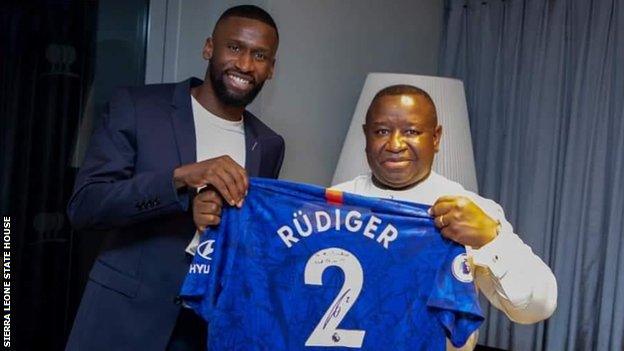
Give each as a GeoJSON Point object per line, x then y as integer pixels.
{"type": "Point", "coordinates": [239, 82]}
{"type": "Point", "coordinates": [396, 163]}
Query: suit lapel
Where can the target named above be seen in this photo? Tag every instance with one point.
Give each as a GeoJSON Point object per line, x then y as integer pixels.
{"type": "Point", "coordinates": [184, 130]}
{"type": "Point", "coordinates": [253, 151]}
{"type": "Point", "coordinates": [183, 123]}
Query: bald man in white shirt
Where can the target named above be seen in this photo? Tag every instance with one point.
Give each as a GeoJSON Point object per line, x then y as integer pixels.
{"type": "Point", "coordinates": [402, 137]}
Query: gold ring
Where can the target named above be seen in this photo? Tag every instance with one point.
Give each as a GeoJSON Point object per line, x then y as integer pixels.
{"type": "Point", "coordinates": [442, 220]}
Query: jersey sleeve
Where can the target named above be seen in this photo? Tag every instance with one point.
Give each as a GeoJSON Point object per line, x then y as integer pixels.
{"type": "Point", "coordinates": [454, 299]}
{"type": "Point", "coordinates": [204, 280]}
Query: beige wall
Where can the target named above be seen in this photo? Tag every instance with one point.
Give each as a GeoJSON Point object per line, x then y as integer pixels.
{"type": "Point", "coordinates": [326, 50]}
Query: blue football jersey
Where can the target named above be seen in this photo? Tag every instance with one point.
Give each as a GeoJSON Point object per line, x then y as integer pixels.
{"type": "Point", "coordinates": [300, 267]}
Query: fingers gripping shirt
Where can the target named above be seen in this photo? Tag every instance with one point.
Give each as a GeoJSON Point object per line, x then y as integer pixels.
{"type": "Point", "coordinates": [300, 267]}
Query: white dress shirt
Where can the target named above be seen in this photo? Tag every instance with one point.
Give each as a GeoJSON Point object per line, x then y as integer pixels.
{"type": "Point", "coordinates": [506, 270]}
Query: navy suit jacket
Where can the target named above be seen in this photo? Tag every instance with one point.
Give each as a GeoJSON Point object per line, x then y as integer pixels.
{"type": "Point", "coordinates": [125, 186]}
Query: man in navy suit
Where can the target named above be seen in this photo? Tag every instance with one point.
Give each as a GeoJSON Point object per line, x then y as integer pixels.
{"type": "Point", "coordinates": [153, 148]}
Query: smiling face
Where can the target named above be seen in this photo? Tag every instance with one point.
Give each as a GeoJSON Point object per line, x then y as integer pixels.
{"type": "Point", "coordinates": [402, 137]}
{"type": "Point", "coordinates": [242, 56]}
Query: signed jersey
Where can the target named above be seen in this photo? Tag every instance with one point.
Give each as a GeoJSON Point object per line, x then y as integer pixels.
{"type": "Point", "coordinates": [300, 267]}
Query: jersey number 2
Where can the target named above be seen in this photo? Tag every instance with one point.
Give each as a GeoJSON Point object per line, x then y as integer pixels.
{"type": "Point", "coordinates": [326, 332]}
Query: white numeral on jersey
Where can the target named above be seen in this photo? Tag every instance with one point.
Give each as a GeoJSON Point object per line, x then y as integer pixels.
{"type": "Point", "coordinates": [326, 332]}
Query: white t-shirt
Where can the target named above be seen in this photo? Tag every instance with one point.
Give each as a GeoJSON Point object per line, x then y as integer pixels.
{"type": "Point", "coordinates": [216, 137]}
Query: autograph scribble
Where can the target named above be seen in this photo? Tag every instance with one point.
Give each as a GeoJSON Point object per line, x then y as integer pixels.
{"type": "Point", "coordinates": [336, 308]}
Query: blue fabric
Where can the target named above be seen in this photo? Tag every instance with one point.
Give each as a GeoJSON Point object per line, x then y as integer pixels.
{"type": "Point", "coordinates": [545, 89]}
{"type": "Point", "coordinates": [249, 282]}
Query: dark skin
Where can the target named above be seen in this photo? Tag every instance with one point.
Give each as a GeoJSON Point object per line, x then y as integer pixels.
{"type": "Point", "coordinates": [240, 49]}
{"type": "Point", "coordinates": [402, 138]}
{"type": "Point", "coordinates": [207, 209]}
{"type": "Point", "coordinates": [241, 53]}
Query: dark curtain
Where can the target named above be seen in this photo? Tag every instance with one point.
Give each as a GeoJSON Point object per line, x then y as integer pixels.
{"type": "Point", "coordinates": [59, 62]}
{"type": "Point", "coordinates": [545, 88]}
{"type": "Point", "coordinates": [47, 65]}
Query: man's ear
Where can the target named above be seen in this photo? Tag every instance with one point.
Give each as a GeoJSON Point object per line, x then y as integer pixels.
{"type": "Point", "coordinates": [437, 135]}
{"type": "Point", "coordinates": [271, 69]}
{"type": "Point", "coordinates": [207, 50]}
{"type": "Point", "coordinates": [364, 130]}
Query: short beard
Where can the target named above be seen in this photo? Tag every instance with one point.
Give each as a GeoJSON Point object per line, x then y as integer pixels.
{"type": "Point", "coordinates": [228, 98]}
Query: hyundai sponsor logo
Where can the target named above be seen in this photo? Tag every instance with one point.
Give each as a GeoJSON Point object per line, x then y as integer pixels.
{"type": "Point", "coordinates": [205, 249]}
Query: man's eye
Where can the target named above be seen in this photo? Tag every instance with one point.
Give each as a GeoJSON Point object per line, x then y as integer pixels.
{"type": "Point", "coordinates": [412, 132]}
{"type": "Point", "coordinates": [382, 131]}
{"type": "Point", "coordinates": [260, 56]}
{"type": "Point", "coordinates": [234, 48]}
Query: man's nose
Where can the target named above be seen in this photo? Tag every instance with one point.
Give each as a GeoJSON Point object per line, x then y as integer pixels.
{"type": "Point", "coordinates": [244, 62]}
{"type": "Point", "coordinates": [396, 142]}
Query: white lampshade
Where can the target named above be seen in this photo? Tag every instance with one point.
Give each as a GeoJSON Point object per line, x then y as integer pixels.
{"type": "Point", "coordinates": [454, 160]}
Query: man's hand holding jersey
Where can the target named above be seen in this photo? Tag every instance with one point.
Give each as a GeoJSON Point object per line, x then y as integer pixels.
{"type": "Point", "coordinates": [222, 178]}
{"type": "Point", "coordinates": [461, 220]}
{"type": "Point", "coordinates": [207, 209]}
{"type": "Point", "coordinates": [223, 173]}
